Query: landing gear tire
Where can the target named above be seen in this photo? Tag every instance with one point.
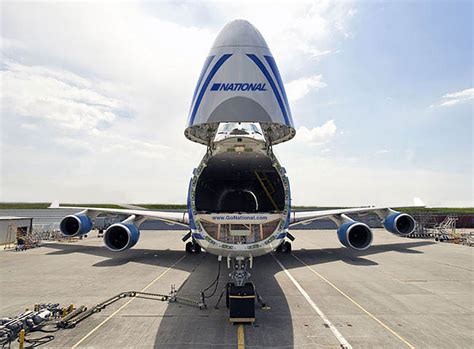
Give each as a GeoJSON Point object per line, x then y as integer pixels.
{"type": "Point", "coordinates": [285, 247]}
{"type": "Point", "coordinates": [193, 248]}
{"type": "Point", "coordinates": [197, 248]}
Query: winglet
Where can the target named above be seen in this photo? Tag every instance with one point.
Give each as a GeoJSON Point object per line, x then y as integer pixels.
{"type": "Point", "coordinates": [54, 204]}
{"type": "Point", "coordinates": [418, 202]}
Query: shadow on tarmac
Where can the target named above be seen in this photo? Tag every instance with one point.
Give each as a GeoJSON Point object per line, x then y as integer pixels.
{"type": "Point", "coordinates": [183, 325]}
{"type": "Point", "coordinates": [157, 257]}
{"type": "Point", "coordinates": [211, 328]}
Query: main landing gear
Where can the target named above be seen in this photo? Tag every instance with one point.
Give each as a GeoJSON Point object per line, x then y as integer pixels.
{"type": "Point", "coordinates": [285, 247]}
{"type": "Point", "coordinates": [193, 247]}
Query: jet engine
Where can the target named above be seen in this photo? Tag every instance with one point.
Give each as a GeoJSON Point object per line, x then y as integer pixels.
{"type": "Point", "coordinates": [76, 225]}
{"type": "Point", "coordinates": [399, 223]}
{"type": "Point", "coordinates": [121, 236]}
{"type": "Point", "coordinates": [355, 235]}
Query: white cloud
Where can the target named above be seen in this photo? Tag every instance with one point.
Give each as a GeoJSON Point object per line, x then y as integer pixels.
{"type": "Point", "coordinates": [455, 98]}
{"type": "Point", "coordinates": [62, 98]}
{"type": "Point", "coordinates": [114, 143]}
{"type": "Point", "coordinates": [299, 88]}
{"type": "Point", "coordinates": [317, 135]}
{"type": "Point", "coordinates": [306, 25]}
{"type": "Point", "coordinates": [95, 98]}
{"type": "Point", "coordinates": [28, 126]}
{"type": "Point", "coordinates": [335, 180]}
{"type": "Point", "coordinates": [316, 53]}
{"type": "Point", "coordinates": [99, 93]}
{"type": "Point", "coordinates": [73, 144]}
{"type": "Point", "coordinates": [8, 44]}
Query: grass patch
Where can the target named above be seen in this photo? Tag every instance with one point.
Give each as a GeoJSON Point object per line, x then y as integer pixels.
{"type": "Point", "coordinates": [163, 206]}
{"type": "Point", "coordinates": [23, 205]}
{"type": "Point", "coordinates": [316, 208]}
{"type": "Point", "coordinates": [436, 210]}
{"type": "Point", "coordinates": [94, 205]}
{"type": "Point", "coordinates": [43, 205]}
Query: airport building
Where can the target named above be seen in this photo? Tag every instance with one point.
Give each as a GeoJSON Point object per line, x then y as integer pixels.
{"type": "Point", "coordinates": [11, 227]}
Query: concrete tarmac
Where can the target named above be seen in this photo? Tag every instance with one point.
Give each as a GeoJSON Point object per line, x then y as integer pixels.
{"type": "Point", "coordinates": [398, 293]}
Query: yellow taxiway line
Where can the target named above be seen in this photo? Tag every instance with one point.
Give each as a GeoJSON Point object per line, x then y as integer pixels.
{"type": "Point", "coordinates": [240, 337]}
{"type": "Point", "coordinates": [127, 303]}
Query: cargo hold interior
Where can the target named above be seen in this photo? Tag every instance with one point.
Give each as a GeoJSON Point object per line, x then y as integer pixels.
{"type": "Point", "coordinates": [239, 182]}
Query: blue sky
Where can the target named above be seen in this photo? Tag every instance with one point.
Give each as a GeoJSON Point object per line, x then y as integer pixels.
{"type": "Point", "coordinates": [401, 59]}
{"type": "Point", "coordinates": [95, 98]}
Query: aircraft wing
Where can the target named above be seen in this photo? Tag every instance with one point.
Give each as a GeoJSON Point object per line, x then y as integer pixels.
{"type": "Point", "coordinates": [179, 218]}
{"type": "Point", "coordinates": [302, 217]}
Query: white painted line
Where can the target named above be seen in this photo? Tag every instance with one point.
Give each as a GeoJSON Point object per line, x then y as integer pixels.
{"type": "Point", "coordinates": [344, 343]}
{"type": "Point", "coordinates": [128, 302]}
{"type": "Point", "coordinates": [407, 343]}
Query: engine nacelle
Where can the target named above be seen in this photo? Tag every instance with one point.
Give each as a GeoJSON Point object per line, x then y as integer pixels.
{"type": "Point", "coordinates": [399, 223]}
{"type": "Point", "coordinates": [76, 225]}
{"type": "Point", "coordinates": [355, 235]}
{"type": "Point", "coordinates": [121, 236]}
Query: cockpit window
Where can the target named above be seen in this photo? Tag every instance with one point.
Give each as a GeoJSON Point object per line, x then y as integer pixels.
{"type": "Point", "coordinates": [245, 129]}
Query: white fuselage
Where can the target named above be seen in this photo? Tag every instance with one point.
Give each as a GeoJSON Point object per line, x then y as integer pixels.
{"type": "Point", "coordinates": [239, 196]}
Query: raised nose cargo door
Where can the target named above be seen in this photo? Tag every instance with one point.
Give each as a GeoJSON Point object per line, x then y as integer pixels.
{"type": "Point", "coordinates": [240, 82]}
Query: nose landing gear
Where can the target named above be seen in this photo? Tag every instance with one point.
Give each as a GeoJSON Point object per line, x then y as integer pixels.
{"type": "Point", "coordinates": [193, 247]}
{"type": "Point", "coordinates": [240, 293]}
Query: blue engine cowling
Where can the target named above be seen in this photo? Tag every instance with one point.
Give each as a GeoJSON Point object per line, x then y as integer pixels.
{"type": "Point", "coordinates": [355, 235]}
{"type": "Point", "coordinates": [75, 225]}
{"type": "Point", "coordinates": [121, 236]}
{"type": "Point", "coordinates": [399, 223]}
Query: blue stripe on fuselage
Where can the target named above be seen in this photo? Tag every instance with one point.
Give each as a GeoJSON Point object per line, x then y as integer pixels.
{"type": "Point", "coordinates": [276, 73]}
{"type": "Point", "coordinates": [213, 72]}
{"type": "Point", "coordinates": [265, 72]}
{"type": "Point", "coordinates": [204, 70]}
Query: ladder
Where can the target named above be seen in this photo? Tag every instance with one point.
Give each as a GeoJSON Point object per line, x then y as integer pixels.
{"type": "Point", "coordinates": [267, 187]}
{"type": "Point", "coordinates": [446, 230]}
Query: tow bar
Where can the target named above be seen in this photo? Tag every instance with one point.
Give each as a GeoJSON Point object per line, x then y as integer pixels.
{"type": "Point", "coordinates": [50, 314]}
{"type": "Point", "coordinates": [82, 313]}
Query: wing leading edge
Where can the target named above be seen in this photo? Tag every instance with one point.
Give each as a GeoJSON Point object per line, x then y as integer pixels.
{"type": "Point", "coordinates": [393, 221]}
{"type": "Point", "coordinates": [354, 234]}
{"type": "Point", "coordinates": [180, 218]}
{"type": "Point", "coordinates": [302, 217]}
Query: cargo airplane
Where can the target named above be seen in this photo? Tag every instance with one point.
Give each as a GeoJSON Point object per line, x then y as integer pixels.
{"type": "Point", "coordinates": [239, 201]}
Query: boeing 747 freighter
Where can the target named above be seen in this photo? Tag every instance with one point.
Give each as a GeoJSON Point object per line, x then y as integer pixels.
{"type": "Point", "coordinates": [239, 200]}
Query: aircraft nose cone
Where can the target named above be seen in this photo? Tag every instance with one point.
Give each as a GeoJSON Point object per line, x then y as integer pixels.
{"type": "Point", "coordinates": [239, 33]}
